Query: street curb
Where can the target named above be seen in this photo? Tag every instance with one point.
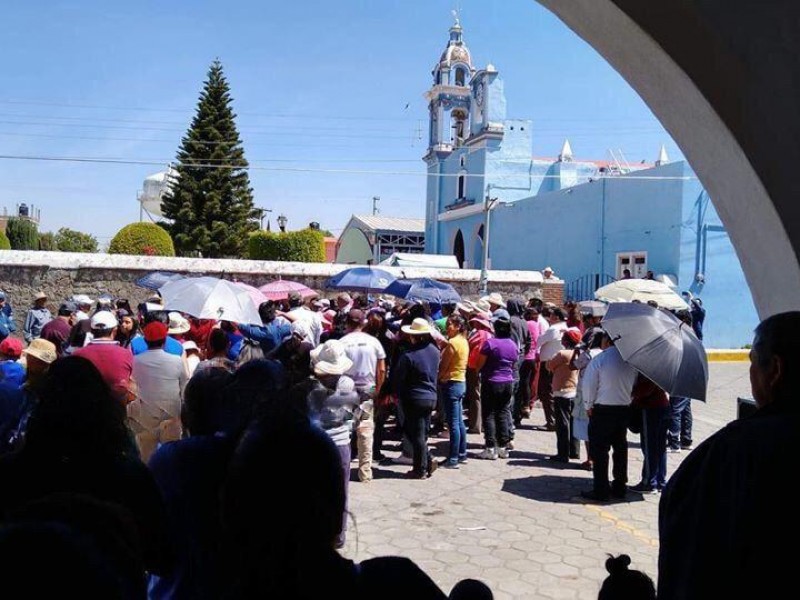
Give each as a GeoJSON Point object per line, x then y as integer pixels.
{"type": "Point", "coordinates": [742, 355]}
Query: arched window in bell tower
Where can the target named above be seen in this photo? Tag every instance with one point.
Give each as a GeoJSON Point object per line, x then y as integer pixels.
{"type": "Point", "coordinates": [460, 76]}
{"type": "Point", "coordinates": [462, 185]}
{"type": "Point", "coordinates": [459, 126]}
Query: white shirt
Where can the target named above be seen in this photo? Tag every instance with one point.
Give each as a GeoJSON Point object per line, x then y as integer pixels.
{"type": "Point", "coordinates": [365, 351]}
{"type": "Point", "coordinates": [161, 378]}
{"type": "Point", "coordinates": [312, 319]}
{"type": "Point", "coordinates": [550, 341]}
{"type": "Point", "coordinates": [608, 380]}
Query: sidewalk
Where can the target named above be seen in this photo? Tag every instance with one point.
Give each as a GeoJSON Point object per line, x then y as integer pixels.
{"type": "Point", "coordinates": [517, 524]}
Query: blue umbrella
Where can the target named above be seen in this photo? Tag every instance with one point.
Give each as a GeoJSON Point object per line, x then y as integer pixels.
{"type": "Point", "coordinates": [360, 279]}
{"type": "Point", "coordinates": [423, 290]}
{"type": "Point", "coordinates": [154, 280]}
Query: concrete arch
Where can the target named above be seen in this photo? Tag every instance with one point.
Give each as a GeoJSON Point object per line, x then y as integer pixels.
{"type": "Point", "coordinates": [722, 79]}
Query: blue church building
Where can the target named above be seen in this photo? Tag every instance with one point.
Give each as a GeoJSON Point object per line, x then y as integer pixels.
{"type": "Point", "coordinates": [589, 220]}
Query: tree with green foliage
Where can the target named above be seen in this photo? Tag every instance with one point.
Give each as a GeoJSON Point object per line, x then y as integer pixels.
{"type": "Point", "coordinates": [22, 233]}
{"type": "Point", "coordinates": [147, 239]}
{"type": "Point", "coordinates": [47, 242]}
{"type": "Point", "coordinates": [5, 244]}
{"type": "Point", "coordinates": [210, 201]}
{"type": "Point", "coordinates": [69, 240]}
{"type": "Point", "coordinates": [306, 245]}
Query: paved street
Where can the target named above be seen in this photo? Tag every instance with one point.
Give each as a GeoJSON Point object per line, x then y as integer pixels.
{"type": "Point", "coordinates": [517, 524]}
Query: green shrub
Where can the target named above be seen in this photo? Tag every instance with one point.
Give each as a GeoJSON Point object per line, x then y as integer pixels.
{"type": "Point", "coordinates": [23, 234]}
{"type": "Point", "coordinates": [142, 238]}
{"type": "Point", "coordinates": [69, 240]}
{"type": "Point", "coordinates": [5, 244]}
{"type": "Point", "coordinates": [47, 242]}
{"type": "Point", "coordinates": [306, 245]}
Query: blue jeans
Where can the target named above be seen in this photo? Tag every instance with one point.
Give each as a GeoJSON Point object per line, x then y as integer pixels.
{"type": "Point", "coordinates": [655, 422]}
{"type": "Point", "coordinates": [680, 426]}
{"type": "Point", "coordinates": [452, 394]}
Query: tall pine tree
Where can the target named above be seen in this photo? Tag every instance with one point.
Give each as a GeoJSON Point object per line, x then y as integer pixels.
{"type": "Point", "coordinates": [210, 201]}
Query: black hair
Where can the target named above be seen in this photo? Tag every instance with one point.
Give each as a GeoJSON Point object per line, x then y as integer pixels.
{"type": "Point", "coordinates": [218, 341]}
{"type": "Point", "coordinates": [205, 410]}
{"type": "Point", "coordinates": [153, 316]}
{"type": "Point", "coordinates": [77, 414]}
{"type": "Point", "coordinates": [295, 300]}
{"type": "Point", "coordinates": [155, 344]}
{"type": "Point", "coordinates": [458, 322]}
{"type": "Point", "coordinates": [558, 313]}
{"type": "Point", "coordinates": [502, 328]}
{"type": "Point", "coordinates": [448, 308]}
{"type": "Point", "coordinates": [266, 310]}
{"type": "Point", "coordinates": [625, 584]}
{"type": "Point", "coordinates": [776, 336]}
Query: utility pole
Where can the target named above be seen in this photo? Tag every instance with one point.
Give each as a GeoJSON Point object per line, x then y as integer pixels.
{"type": "Point", "coordinates": [375, 200]}
{"type": "Point", "coordinates": [488, 205]}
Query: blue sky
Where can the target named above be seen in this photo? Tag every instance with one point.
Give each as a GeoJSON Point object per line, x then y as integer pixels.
{"type": "Point", "coordinates": [319, 86]}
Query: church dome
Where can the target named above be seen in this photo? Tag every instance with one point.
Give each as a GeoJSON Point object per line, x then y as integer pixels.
{"type": "Point", "coordinates": [456, 51]}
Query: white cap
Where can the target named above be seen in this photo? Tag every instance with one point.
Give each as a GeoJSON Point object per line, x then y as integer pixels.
{"type": "Point", "coordinates": [103, 320]}
{"type": "Point", "coordinates": [82, 299]}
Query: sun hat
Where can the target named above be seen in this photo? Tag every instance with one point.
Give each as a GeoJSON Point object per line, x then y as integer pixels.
{"type": "Point", "coordinates": [82, 300]}
{"type": "Point", "coordinates": [495, 298]}
{"type": "Point", "coordinates": [190, 346]}
{"type": "Point", "coordinates": [42, 349]}
{"type": "Point", "coordinates": [40, 296]}
{"type": "Point", "coordinates": [573, 333]}
{"type": "Point", "coordinates": [11, 347]}
{"type": "Point", "coordinates": [154, 332]}
{"type": "Point", "coordinates": [419, 326]}
{"type": "Point", "coordinates": [103, 320]}
{"type": "Point", "coordinates": [501, 313]}
{"type": "Point", "coordinates": [178, 324]}
{"type": "Point", "coordinates": [330, 359]}
{"type": "Point", "coordinates": [482, 321]}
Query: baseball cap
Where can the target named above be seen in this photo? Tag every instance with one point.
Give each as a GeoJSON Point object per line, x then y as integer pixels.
{"type": "Point", "coordinates": [155, 332]}
{"type": "Point", "coordinates": [11, 347]}
{"type": "Point", "coordinates": [81, 299]}
{"type": "Point", "coordinates": [67, 308]}
{"type": "Point", "coordinates": [103, 320]}
{"type": "Point", "coordinates": [573, 333]}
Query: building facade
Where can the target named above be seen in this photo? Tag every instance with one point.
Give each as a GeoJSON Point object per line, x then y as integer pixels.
{"type": "Point", "coordinates": [587, 219]}
{"type": "Point", "coordinates": [369, 239]}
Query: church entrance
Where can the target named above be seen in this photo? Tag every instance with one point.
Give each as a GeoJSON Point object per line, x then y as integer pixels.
{"type": "Point", "coordinates": [458, 249]}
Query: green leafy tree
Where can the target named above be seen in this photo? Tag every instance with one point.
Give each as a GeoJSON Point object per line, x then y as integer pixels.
{"type": "Point", "coordinates": [5, 244]}
{"type": "Point", "coordinates": [47, 242]}
{"type": "Point", "coordinates": [22, 233]}
{"type": "Point", "coordinates": [146, 239]}
{"type": "Point", "coordinates": [69, 240]}
{"type": "Point", "coordinates": [306, 245]}
{"type": "Point", "coordinates": [210, 201]}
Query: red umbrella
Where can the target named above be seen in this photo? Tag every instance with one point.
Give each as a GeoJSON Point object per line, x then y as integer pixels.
{"type": "Point", "coordinates": [280, 289]}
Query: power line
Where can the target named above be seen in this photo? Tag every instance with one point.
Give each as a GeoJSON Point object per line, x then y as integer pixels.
{"type": "Point", "coordinates": [151, 162]}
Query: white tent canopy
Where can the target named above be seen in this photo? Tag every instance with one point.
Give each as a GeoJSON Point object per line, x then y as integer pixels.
{"type": "Point", "coordinates": [436, 261]}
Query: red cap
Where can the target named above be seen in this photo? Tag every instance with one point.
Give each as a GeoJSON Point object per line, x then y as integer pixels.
{"type": "Point", "coordinates": [574, 334]}
{"type": "Point", "coordinates": [11, 347]}
{"type": "Point", "coordinates": [155, 331]}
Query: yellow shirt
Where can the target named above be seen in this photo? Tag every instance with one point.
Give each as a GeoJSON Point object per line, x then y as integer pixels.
{"type": "Point", "coordinates": [453, 366]}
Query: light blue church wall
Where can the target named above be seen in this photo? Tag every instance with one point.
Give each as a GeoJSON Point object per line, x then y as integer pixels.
{"type": "Point", "coordinates": [706, 250]}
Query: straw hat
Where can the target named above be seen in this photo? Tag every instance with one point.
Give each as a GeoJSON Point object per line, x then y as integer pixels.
{"type": "Point", "coordinates": [495, 299]}
{"type": "Point", "coordinates": [178, 324]}
{"type": "Point", "coordinates": [418, 326]}
{"type": "Point", "coordinates": [330, 359]}
{"type": "Point", "coordinates": [42, 349]}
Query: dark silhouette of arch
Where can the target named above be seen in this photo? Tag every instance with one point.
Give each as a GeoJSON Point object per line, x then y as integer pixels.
{"type": "Point", "coordinates": [458, 249]}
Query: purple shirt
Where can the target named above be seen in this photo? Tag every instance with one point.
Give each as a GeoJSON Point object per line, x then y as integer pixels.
{"type": "Point", "coordinates": [501, 356]}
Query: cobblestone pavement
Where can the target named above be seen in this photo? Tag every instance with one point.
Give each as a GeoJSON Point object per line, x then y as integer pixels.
{"type": "Point", "coordinates": [517, 524]}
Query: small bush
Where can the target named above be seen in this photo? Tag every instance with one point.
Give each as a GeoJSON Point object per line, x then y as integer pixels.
{"type": "Point", "coordinates": [306, 245]}
{"type": "Point", "coordinates": [146, 239]}
{"type": "Point", "coordinates": [22, 233]}
{"type": "Point", "coordinates": [47, 242]}
{"type": "Point", "coordinates": [5, 244]}
{"type": "Point", "coordinates": [69, 240]}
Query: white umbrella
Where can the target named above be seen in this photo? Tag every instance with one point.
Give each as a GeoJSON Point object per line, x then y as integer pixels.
{"type": "Point", "coordinates": [210, 298]}
{"type": "Point", "coordinates": [643, 290]}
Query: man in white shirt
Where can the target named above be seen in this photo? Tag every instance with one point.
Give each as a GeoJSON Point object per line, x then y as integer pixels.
{"type": "Point", "coordinates": [549, 344]}
{"type": "Point", "coordinates": [298, 312]}
{"type": "Point", "coordinates": [606, 393]}
{"type": "Point", "coordinates": [161, 377]}
{"type": "Point", "coordinates": [366, 352]}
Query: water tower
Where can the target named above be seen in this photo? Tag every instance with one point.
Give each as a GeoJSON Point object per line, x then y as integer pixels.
{"type": "Point", "coordinates": [153, 189]}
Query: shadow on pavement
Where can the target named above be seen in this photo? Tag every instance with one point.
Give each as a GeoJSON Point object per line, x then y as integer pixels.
{"type": "Point", "coordinates": [563, 489]}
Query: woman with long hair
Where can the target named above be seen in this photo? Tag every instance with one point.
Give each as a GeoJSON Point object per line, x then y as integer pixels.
{"type": "Point", "coordinates": [128, 328]}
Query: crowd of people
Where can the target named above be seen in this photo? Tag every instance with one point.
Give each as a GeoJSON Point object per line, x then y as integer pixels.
{"type": "Point", "coordinates": [102, 389]}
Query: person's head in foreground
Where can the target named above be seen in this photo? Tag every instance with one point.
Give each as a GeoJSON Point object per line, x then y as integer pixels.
{"type": "Point", "coordinates": [623, 583]}
{"type": "Point", "coordinates": [775, 358]}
